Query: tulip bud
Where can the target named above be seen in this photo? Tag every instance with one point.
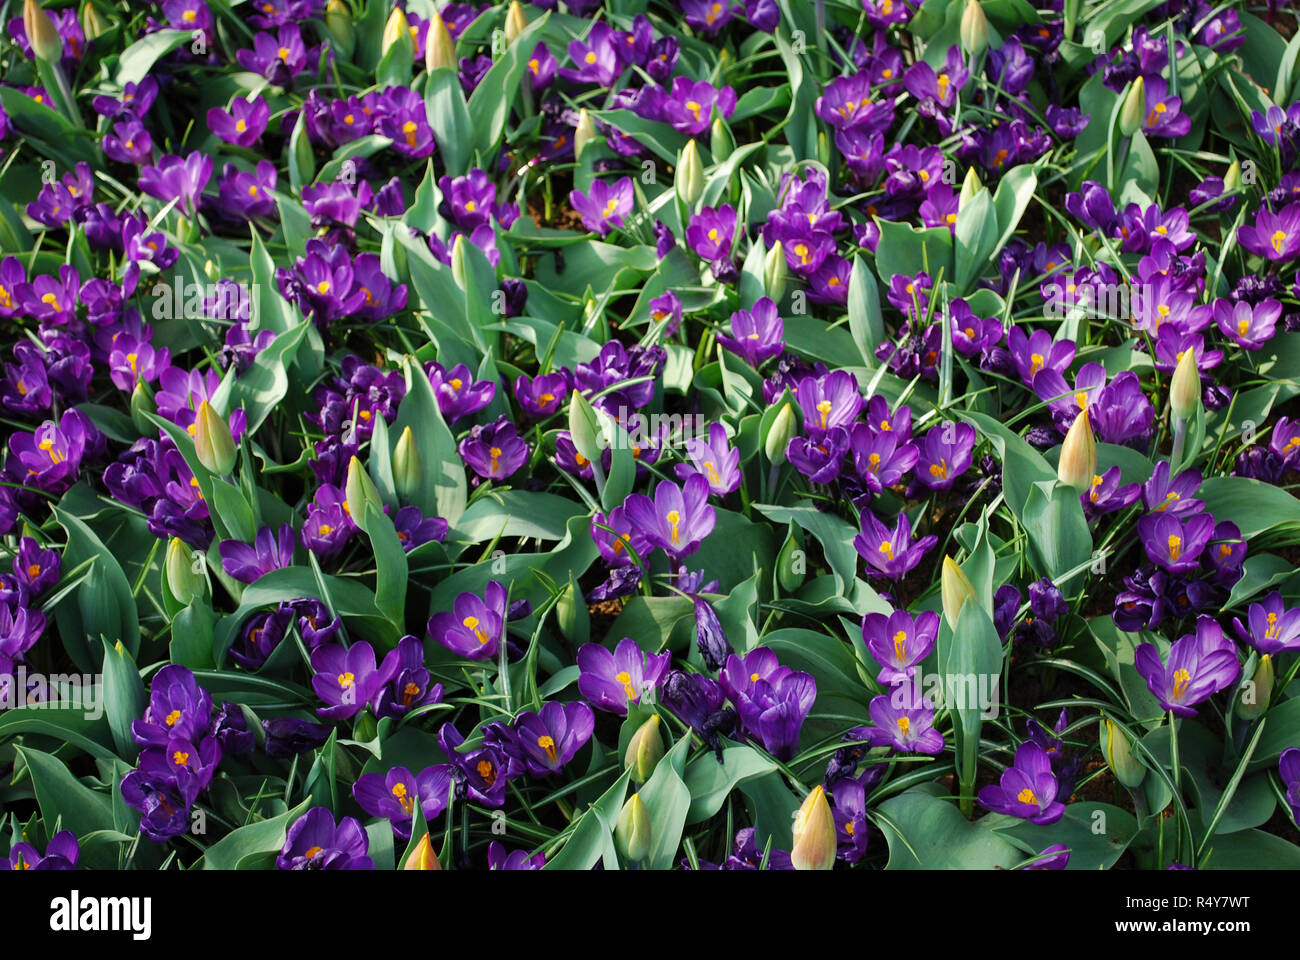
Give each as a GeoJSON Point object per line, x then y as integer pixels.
{"type": "Point", "coordinates": [1185, 388]}
{"type": "Point", "coordinates": [779, 434]}
{"type": "Point", "coordinates": [644, 750]}
{"type": "Point", "coordinates": [1232, 178]}
{"type": "Point", "coordinates": [360, 491]}
{"type": "Point", "coordinates": [339, 23]}
{"type": "Point", "coordinates": [182, 580]}
{"type": "Point", "coordinates": [439, 48]}
{"type": "Point", "coordinates": [423, 857]}
{"type": "Point", "coordinates": [459, 273]}
{"type": "Point", "coordinates": [92, 24]}
{"type": "Point", "coordinates": [969, 188]}
{"type": "Point", "coordinates": [823, 148]}
{"type": "Point", "coordinates": [584, 134]}
{"type": "Point", "coordinates": [721, 142]}
{"type": "Point", "coordinates": [1078, 463]}
{"type": "Point", "coordinates": [955, 589]}
{"type": "Point", "coordinates": [42, 34]}
{"type": "Point", "coordinates": [774, 271]}
{"type": "Point", "coordinates": [1117, 750]}
{"type": "Point", "coordinates": [632, 832]}
{"type": "Point", "coordinates": [407, 469]}
{"type": "Point", "coordinates": [790, 569]}
{"type": "Point", "coordinates": [396, 28]}
{"type": "Point", "coordinates": [584, 428]}
{"type": "Point", "coordinates": [814, 833]}
{"type": "Point", "coordinates": [516, 22]}
{"type": "Point", "coordinates": [689, 178]}
{"type": "Point", "coordinates": [213, 444]}
{"type": "Point", "coordinates": [142, 403]}
{"type": "Point", "coordinates": [710, 637]}
{"type": "Point", "coordinates": [571, 615]}
{"type": "Point", "coordinates": [1257, 692]}
{"type": "Point", "coordinates": [974, 29]}
{"type": "Point", "coordinates": [1134, 108]}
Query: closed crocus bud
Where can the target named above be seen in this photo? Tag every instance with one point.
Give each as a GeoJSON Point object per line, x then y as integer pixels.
{"type": "Point", "coordinates": [422, 857]}
{"type": "Point", "coordinates": [516, 22]}
{"type": "Point", "coordinates": [689, 178]}
{"type": "Point", "coordinates": [584, 134]}
{"type": "Point", "coordinates": [632, 832]}
{"type": "Point", "coordinates": [774, 271]}
{"type": "Point", "coordinates": [1117, 750]}
{"type": "Point", "coordinates": [779, 434]}
{"type": "Point", "coordinates": [709, 636]}
{"type": "Point", "coordinates": [1078, 463]}
{"type": "Point", "coordinates": [1134, 108]}
{"type": "Point", "coordinates": [92, 24]}
{"type": "Point", "coordinates": [407, 469]}
{"type": "Point", "coordinates": [969, 188]}
{"type": "Point", "coordinates": [584, 428]}
{"type": "Point", "coordinates": [1256, 692]}
{"type": "Point", "coordinates": [42, 34]}
{"type": "Point", "coordinates": [721, 142]}
{"type": "Point", "coordinates": [142, 403]}
{"type": "Point", "coordinates": [814, 833]}
{"type": "Point", "coordinates": [955, 588]}
{"type": "Point", "coordinates": [213, 444]}
{"type": "Point", "coordinates": [1185, 388]}
{"type": "Point", "coordinates": [644, 750]}
{"type": "Point", "coordinates": [974, 29]}
{"type": "Point", "coordinates": [397, 28]}
{"type": "Point", "coordinates": [439, 48]}
{"type": "Point", "coordinates": [182, 579]}
{"type": "Point", "coordinates": [360, 491]}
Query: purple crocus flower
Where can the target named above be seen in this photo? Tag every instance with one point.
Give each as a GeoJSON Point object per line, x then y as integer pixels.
{"type": "Point", "coordinates": [243, 124]}
{"type": "Point", "coordinates": [690, 105]}
{"type": "Point", "coordinates": [611, 681]}
{"type": "Point", "coordinates": [1106, 494]}
{"type": "Point", "coordinates": [259, 637]}
{"type": "Point", "coordinates": [847, 104]}
{"type": "Point", "coordinates": [541, 68]}
{"type": "Point", "coordinates": [902, 721]}
{"type": "Point", "coordinates": [178, 708]}
{"type": "Point", "coordinates": [393, 795]}
{"type": "Point", "coordinates": [829, 401]}
{"type": "Point", "coordinates": [891, 553]}
{"type": "Point", "coordinates": [495, 451]}
{"type": "Point", "coordinates": [347, 678]}
{"type": "Point", "coordinates": [772, 700]}
{"type": "Point", "coordinates": [715, 459]}
{"type": "Point", "coordinates": [474, 626]}
{"type": "Point", "coordinates": [279, 58]}
{"type": "Point", "coordinates": [881, 456]}
{"type": "Point", "coordinates": [35, 568]}
{"type": "Point", "coordinates": [604, 206]}
{"type": "Point", "coordinates": [1173, 544]}
{"type": "Point", "coordinates": [1165, 117]}
{"type": "Point", "coordinates": [1288, 767]}
{"type": "Point", "coordinates": [61, 853]}
{"type": "Point", "coordinates": [1037, 351]}
{"type": "Point", "coordinates": [479, 774]}
{"type": "Point", "coordinates": [20, 628]}
{"type": "Point", "coordinates": [756, 335]}
{"type": "Point", "coordinates": [677, 519]}
{"type": "Point", "coordinates": [499, 859]}
{"type": "Point", "coordinates": [540, 397]}
{"type": "Point", "coordinates": [286, 737]}
{"type": "Point", "coordinates": [1274, 236]}
{"type": "Point", "coordinates": [1161, 495]}
{"type": "Point", "coordinates": [1200, 665]}
{"type": "Point", "coordinates": [270, 551]}
{"type": "Point", "coordinates": [598, 59]}
{"type": "Point", "coordinates": [315, 842]}
{"type": "Point", "coordinates": [1028, 788]}
{"type": "Point", "coordinates": [174, 178]}
{"type": "Point", "coordinates": [1270, 626]}
{"type": "Point", "coordinates": [945, 454]}
{"type": "Point", "coordinates": [1249, 327]}
{"type": "Point", "coordinates": [128, 143]}
{"type": "Point", "coordinates": [899, 642]}
{"type": "Point", "coordinates": [459, 394]}
{"type": "Point", "coordinates": [543, 743]}
{"type": "Point", "coordinates": [710, 232]}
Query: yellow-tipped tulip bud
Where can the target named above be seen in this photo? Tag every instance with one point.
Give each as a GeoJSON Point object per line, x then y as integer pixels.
{"type": "Point", "coordinates": [632, 832]}
{"type": "Point", "coordinates": [338, 20]}
{"type": "Point", "coordinates": [782, 430]}
{"type": "Point", "coordinates": [974, 29]}
{"type": "Point", "coordinates": [516, 22]}
{"type": "Point", "coordinates": [721, 143]}
{"type": "Point", "coordinates": [182, 580]}
{"type": "Point", "coordinates": [213, 444]}
{"type": "Point", "coordinates": [408, 471]}
{"type": "Point", "coordinates": [396, 28]}
{"type": "Point", "coordinates": [814, 833]}
{"type": "Point", "coordinates": [439, 48]}
{"type": "Point", "coordinates": [969, 188]}
{"type": "Point", "coordinates": [689, 178]}
{"type": "Point", "coordinates": [584, 134]}
{"type": "Point", "coordinates": [1078, 463]}
{"type": "Point", "coordinates": [423, 857]}
{"type": "Point", "coordinates": [1134, 109]}
{"type": "Point", "coordinates": [775, 271]}
{"type": "Point", "coordinates": [644, 750]}
{"type": "Point", "coordinates": [955, 589]}
{"type": "Point", "coordinates": [1256, 693]}
{"type": "Point", "coordinates": [42, 34]}
{"type": "Point", "coordinates": [1185, 388]}
{"type": "Point", "coordinates": [360, 491]}
{"type": "Point", "coordinates": [1117, 750]}
{"type": "Point", "coordinates": [92, 24]}
{"type": "Point", "coordinates": [584, 428]}
{"type": "Point", "coordinates": [1232, 178]}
